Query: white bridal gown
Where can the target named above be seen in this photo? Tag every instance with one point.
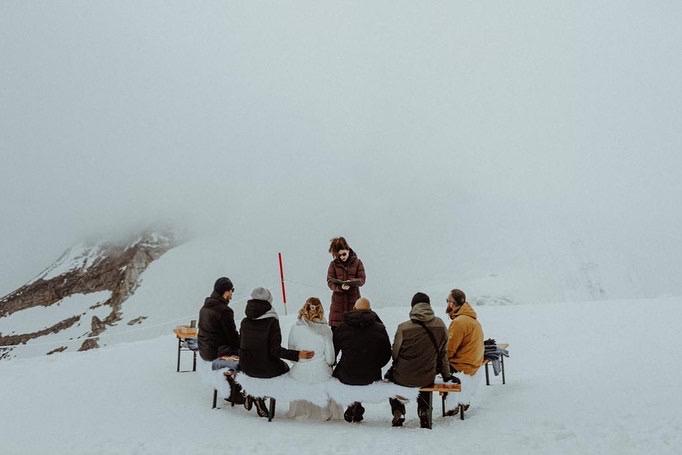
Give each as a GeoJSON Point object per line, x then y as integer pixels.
{"type": "Point", "coordinates": [317, 337]}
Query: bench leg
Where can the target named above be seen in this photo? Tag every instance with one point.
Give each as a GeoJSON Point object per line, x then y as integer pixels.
{"type": "Point", "coordinates": [178, 369]}
{"type": "Point", "coordinates": [430, 410]}
{"type": "Point", "coordinates": [487, 375]}
{"type": "Point", "coordinates": [461, 412]}
{"type": "Point", "coordinates": [271, 411]}
{"type": "Point", "coordinates": [444, 397]}
{"type": "Point", "coordinates": [502, 362]}
{"type": "Point", "coordinates": [215, 398]}
{"type": "Point", "coordinates": [194, 363]}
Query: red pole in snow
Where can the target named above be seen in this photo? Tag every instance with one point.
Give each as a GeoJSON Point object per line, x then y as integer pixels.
{"type": "Point", "coordinates": [281, 278]}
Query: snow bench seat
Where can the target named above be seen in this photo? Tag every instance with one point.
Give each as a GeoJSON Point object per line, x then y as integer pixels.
{"type": "Point", "coordinates": [285, 388]}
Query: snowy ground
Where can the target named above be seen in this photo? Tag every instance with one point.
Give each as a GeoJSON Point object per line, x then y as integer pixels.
{"type": "Point", "coordinates": [594, 377]}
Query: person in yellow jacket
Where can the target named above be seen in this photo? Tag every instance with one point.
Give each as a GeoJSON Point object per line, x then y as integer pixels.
{"type": "Point", "coordinates": [465, 345]}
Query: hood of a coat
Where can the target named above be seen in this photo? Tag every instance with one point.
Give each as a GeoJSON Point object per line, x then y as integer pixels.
{"type": "Point", "coordinates": [256, 308]}
{"type": "Point", "coordinates": [360, 318]}
{"type": "Point", "coordinates": [318, 327]}
{"type": "Point", "coordinates": [422, 312]}
{"type": "Point", "coordinates": [465, 310]}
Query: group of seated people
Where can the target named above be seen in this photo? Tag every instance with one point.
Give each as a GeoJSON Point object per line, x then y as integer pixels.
{"type": "Point", "coordinates": [422, 348]}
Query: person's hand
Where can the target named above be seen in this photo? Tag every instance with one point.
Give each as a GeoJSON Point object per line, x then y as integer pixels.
{"type": "Point", "coordinates": [345, 287]}
{"type": "Point", "coordinates": [305, 355]}
{"type": "Point", "coordinates": [229, 357]}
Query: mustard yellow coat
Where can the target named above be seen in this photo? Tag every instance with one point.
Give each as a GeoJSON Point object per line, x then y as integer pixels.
{"type": "Point", "coordinates": [465, 341]}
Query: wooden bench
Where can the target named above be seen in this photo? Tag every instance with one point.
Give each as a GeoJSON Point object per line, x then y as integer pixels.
{"type": "Point", "coordinates": [183, 333]}
{"type": "Point", "coordinates": [486, 362]}
{"type": "Point", "coordinates": [443, 390]}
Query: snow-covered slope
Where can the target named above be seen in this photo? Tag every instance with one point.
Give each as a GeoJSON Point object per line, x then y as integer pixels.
{"type": "Point", "coordinates": [583, 378]}
{"type": "Point", "coordinates": [175, 284]}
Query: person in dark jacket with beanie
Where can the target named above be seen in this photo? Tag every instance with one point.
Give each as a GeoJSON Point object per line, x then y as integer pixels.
{"type": "Point", "coordinates": [365, 348]}
{"type": "Point", "coordinates": [419, 353]}
{"type": "Point", "coordinates": [261, 339]}
{"type": "Point", "coordinates": [261, 350]}
{"type": "Point", "coordinates": [218, 337]}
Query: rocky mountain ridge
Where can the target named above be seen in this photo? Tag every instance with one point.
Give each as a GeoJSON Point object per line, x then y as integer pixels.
{"type": "Point", "coordinates": [111, 271]}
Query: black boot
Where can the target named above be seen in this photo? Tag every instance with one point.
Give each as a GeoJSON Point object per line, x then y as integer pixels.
{"type": "Point", "coordinates": [398, 410]}
{"type": "Point", "coordinates": [348, 415]}
{"type": "Point", "coordinates": [358, 413]}
{"type": "Point", "coordinates": [248, 402]}
{"type": "Point", "coordinates": [236, 394]}
{"type": "Point", "coordinates": [424, 410]}
{"type": "Point", "coordinates": [261, 407]}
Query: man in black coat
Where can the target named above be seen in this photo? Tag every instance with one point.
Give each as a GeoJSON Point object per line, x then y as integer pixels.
{"type": "Point", "coordinates": [365, 348]}
{"type": "Point", "coordinates": [218, 337]}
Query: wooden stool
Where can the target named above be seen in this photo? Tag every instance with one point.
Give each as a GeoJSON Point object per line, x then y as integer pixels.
{"type": "Point", "coordinates": [183, 333]}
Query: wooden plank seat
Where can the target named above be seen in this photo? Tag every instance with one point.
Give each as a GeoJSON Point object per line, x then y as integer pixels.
{"type": "Point", "coordinates": [443, 390]}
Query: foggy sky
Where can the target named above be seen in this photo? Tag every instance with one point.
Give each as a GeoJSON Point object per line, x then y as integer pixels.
{"type": "Point", "coordinates": [454, 135]}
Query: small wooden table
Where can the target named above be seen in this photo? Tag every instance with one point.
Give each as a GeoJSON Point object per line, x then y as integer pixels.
{"type": "Point", "coordinates": [183, 333]}
{"type": "Point", "coordinates": [486, 362]}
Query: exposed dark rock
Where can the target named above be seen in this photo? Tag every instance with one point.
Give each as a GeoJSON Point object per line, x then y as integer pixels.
{"type": "Point", "coordinates": [102, 267]}
{"type": "Point", "coordinates": [90, 343]}
{"type": "Point", "coordinates": [137, 320]}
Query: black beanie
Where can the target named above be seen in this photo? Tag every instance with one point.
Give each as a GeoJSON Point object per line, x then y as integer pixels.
{"type": "Point", "coordinates": [420, 297]}
{"type": "Point", "coordinates": [222, 285]}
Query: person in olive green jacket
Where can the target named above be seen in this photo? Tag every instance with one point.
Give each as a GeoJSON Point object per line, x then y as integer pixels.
{"type": "Point", "coordinates": [419, 354]}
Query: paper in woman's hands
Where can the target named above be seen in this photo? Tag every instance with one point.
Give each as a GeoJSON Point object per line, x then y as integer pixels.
{"type": "Point", "coordinates": [354, 282]}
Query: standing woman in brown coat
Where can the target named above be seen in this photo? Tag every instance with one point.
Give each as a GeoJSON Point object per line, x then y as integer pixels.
{"type": "Point", "coordinates": [344, 277]}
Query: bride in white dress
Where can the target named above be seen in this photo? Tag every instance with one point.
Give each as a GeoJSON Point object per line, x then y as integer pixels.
{"type": "Point", "coordinates": [311, 333]}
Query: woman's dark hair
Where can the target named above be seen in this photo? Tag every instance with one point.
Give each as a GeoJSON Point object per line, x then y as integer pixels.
{"type": "Point", "coordinates": [458, 296]}
{"type": "Point", "coordinates": [337, 244]}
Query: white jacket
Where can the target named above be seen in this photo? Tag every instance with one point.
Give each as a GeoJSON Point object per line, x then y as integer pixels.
{"type": "Point", "coordinates": [312, 336]}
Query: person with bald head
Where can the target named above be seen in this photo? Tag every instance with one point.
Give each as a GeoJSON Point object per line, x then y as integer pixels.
{"type": "Point", "coordinates": [365, 348]}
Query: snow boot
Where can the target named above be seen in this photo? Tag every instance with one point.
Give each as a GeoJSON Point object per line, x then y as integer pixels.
{"type": "Point", "coordinates": [248, 402]}
{"type": "Point", "coordinates": [398, 410]}
{"type": "Point", "coordinates": [358, 413]}
{"type": "Point", "coordinates": [236, 393]}
{"type": "Point", "coordinates": [261, 407]}
{"type": "Point", "coordinates": [424, 421]}
{"type": "Point", "coordinates": [348, 414]}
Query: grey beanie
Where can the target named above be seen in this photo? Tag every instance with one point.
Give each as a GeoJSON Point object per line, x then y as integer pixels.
{"type": "Point", "coordinates": [261, 294]}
